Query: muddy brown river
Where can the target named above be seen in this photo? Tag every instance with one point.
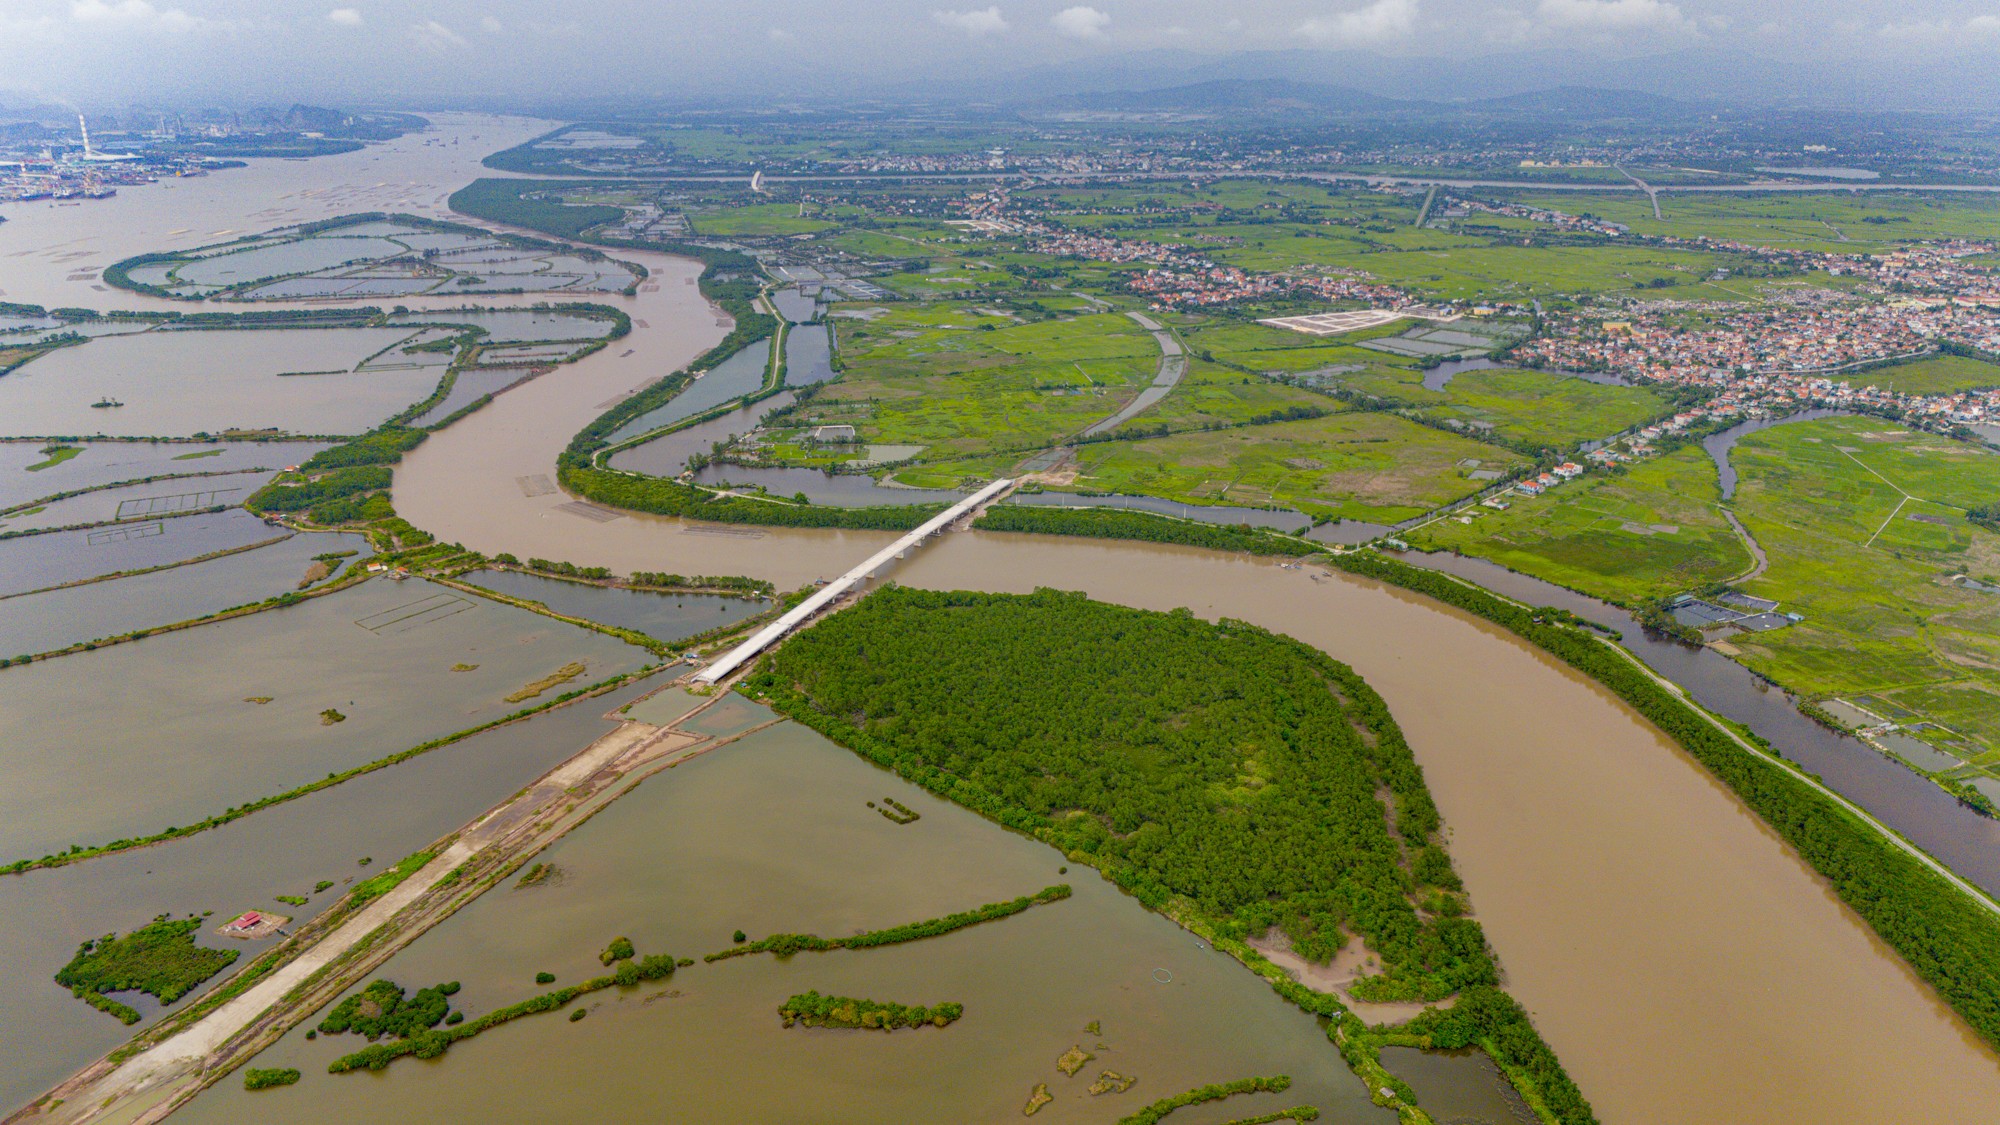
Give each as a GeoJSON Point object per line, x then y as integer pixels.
{"type": "Point", "coordinates": [1685, 964]}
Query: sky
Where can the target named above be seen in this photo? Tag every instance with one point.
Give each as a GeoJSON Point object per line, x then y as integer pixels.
{"type": "Point", "coordinates": [112, 52]}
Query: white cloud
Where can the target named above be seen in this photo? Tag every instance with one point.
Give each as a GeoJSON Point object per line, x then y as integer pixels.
{"type": "Point", "coordinates": [491, 26]}
{"type": "Point", "coordinates": [1376, 23]}
{"type": "Point", "coordinates": [135, 14]}
{"type": "Point", "coordinates": [1614, 15]}
{"type": "Point", "coordinates": [1938, 33]}
{"type": "Point", "coordinates": [1081, 22]}
{"type": "Point", "coordinates": [345, 17]}
{"type": "Point", "coordinates": [436, 37]}
{"type": "Point", "coordinates": [978, 22]}
{"type": "Point", "coordinates": [778, 35]}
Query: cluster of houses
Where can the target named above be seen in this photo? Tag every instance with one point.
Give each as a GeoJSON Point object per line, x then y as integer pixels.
{"type": "Point", "coordinates": [1535, 486]}
{"type": "Point", "coordinates": [1548, 216]}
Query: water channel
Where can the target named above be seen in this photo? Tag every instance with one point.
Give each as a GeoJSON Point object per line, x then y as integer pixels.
{"type": "Point", "coordinates": [288, 850]}
{"type": "Point", "coordinates": [127, 740]}
{"type": "Point", "coordinates": [1610, 871]}
{"type": "Point", "coordinates": [714, 846]}
{"type": "Point", "coordinates": [1720, 444]}
{"type": "Point", "coordinates": [1683, 962]}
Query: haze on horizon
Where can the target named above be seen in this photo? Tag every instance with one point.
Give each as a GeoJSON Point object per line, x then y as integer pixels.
{"type": "Point", "coordinates": [503, 53]}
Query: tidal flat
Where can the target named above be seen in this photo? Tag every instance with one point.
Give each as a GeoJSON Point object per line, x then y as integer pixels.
{"type": "Point", "coordinates": [131, 739]}
{"type": "Point", "coordinates": [712, 846]}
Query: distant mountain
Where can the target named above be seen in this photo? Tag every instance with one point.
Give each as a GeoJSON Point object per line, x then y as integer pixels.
{"type": "Point", "coordinates": [1585, 101]}
{"type": "Point", "coordinates": [1228, 97]}
{"type": "Point", "coordinates": [1697, 78]}
{"type": "Point", "coordinates": [1231, 96]}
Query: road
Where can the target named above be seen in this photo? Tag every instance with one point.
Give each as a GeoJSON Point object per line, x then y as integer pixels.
{"type": "Point", "coordinates": [825, 596]}
{"type": "Point", "coordinates": [1173, 365]}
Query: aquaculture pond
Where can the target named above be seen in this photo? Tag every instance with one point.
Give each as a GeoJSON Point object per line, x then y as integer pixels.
{"type": "Point", "coordinates": [183, 383]}
{"type": "Point", "coordinates": [667, 455]}
{"type": "Point", "coordinates": [839, 490]}
{"type": "Point", "coordinates": [182, 725]}
{"type": "Point", "coordinates": [98, 463]}
{"type": "Point", "coordinates": [55, 619]}
{"type": "Point", "coordinates": [469, 386]}
{"type": "Point", "coordinates": [739, 375]}
{"type": "Point", "coordinates": [714, 846]}
{"type": "Point", "coordinates": [808, 355]}
{"type": "Point", "coordinates": [54, 558]}
{"type": "Point", "coordinates": [663, 616]}
{"type": "Point", "coordinates": [512, 325]}
{"type": "Point", "coordinates": [286, 850]}
{"type": "Point", "coordinates": [172, 497]}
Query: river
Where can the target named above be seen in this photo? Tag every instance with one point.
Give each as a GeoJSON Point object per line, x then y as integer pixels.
{"type": "Point", "coordinates": [1683, 962]}
{"type": "Point", "coordinates": [1639, 910]}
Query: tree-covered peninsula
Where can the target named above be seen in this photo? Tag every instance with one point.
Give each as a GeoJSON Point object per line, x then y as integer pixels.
{"type": "Point", "coordinates": [1233, 778]}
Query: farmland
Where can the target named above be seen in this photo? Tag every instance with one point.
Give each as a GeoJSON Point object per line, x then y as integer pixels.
{"type": "Point", "coordinates": [1648, 532]}
{"type": "Point", "coordinates": [1863, 521]}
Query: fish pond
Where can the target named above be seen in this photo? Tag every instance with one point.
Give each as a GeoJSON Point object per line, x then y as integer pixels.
{"type": "Point", "coordinates": [130, 739]}
{"type": "Point", "coordinates": [713, 846]}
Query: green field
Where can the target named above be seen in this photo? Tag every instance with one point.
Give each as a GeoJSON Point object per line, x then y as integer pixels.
{"type": "Point", "coordinates": [963, 382]}
{"type": "Point", "coordinates": [1358, 466]}
{"type": "Point", "coordinates": [1836, 222]}
{"type": "Point", "coordinates": [1212, 395]}
{"type": "Point", "coordinates": [756, 219]}
{"type": "Point", "coordinates": [1627, 537]}
{"type": "Point", "coordinates": [1832, 503]}
{"type": "Point", "coordinates": [1941, 374]}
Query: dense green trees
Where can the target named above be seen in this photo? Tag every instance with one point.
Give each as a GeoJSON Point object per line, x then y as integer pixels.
{"type": "Point", "coordinates": [1212, 768]}
{"type": "Point", "coordinates": [159, 958]}
{"type": "Point", "coordinates": [263, 1078]}
{"type": "Point", "coordinates": [345, 483]}
{"type": "Point", "coordinates": [672, 498]}
{"type": "Point", "coordinates": [1121, 523]}
{"type": "Point", "coordinates": [1152, 1114]}
{"type": "Point", "coordinates": [1491, 1019]}
{"type": "Point", "coordinates": [381, 1009]}
{"type": "Point", "coordinates": [784, 945]}
{"type": "Point", "coordinates": [430, 1041]}
{"type": "Point", "coordinates": [814, 1010]}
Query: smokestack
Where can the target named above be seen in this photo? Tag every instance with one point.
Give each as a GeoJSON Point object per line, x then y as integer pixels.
{"type": "Point", "coordinates": [85, 130]}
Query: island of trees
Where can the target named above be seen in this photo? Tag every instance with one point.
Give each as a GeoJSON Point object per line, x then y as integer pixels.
{"type": "Point", "coordinates": [1218, 772]}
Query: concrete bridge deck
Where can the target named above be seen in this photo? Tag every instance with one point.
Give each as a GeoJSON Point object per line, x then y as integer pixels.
{"type": "Point", "coordinates": [740, 655]}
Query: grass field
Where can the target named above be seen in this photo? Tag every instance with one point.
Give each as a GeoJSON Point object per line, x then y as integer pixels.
{"type": "Point", "coordinates": [1542, 409]}
{"type": "Point", "coordinates": [1625, 537]}
{"type": "Point", "coordinates": [1545, 409]}
{"type": "Point", "coordinates": [1837, 222]}
{"type": "Point", "coordinates": [1832, 503]}
{"type": "Point", "coordinates": [1359, 466]}
{"type": "Point", "coordinates": [964, 383]}
{"type": "Point", "coordinates": [1941, 374]}
{"type": "Point", "coordinates": [1212, 395]}
{"type": "Point", "coordinates": [756, 219]}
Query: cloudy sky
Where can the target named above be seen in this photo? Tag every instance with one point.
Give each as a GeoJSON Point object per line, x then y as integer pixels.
{"type": "Point", "coordinates": [113, 51]}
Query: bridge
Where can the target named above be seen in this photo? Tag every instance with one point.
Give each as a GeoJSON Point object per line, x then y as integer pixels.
{"type": "Point", "coordinates": [798, 615]}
